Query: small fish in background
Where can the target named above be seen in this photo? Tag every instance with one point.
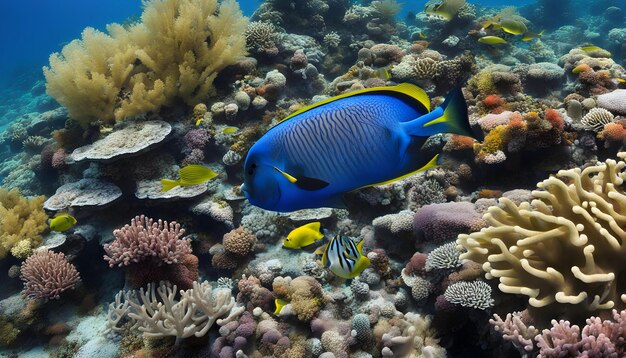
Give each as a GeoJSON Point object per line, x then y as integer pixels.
{"type": "Point", "coordinates": [492, 40]}
{"type": "Point", "coordinates": [531, 36]}
{"type": "Point", "coordinates": [62, 222]}
{"type": "Point", "coordinates": [280, 304]}
{"type": "Point", "coordinates": [446, 8]}
{"type": "Point", "coordinates": [618, 80]}
{"type": "Point", "coordinates": [581, 68]}
{"type": "Point", "coordinates": [304, 235]}
{"type": "Point", "coordinates": [190, 175]}
{"type": "Point", "coordinates": [230, 130]}
{"type": "Point", "coordinates": [344, 257]}
{"type": "Point", "coordinates": [422, 35]}
{"type": "Point", "coordinates": [594, 48]}
{"type": "Point", "coordinates": [513, 26]}
{"type": "Point", "coordinates": [199, 121]}
{"type": "Point", "coordinates": [382, 73]}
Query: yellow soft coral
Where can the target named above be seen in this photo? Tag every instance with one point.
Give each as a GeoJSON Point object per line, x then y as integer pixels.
{"type": "Point", "coordinates": [175, 52]}
{"type": "Point", "coordinates": [22, 221]}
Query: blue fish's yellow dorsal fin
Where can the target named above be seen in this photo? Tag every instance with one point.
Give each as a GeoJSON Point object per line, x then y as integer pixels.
{"type": "Point", "coordinates": [406, 89]}
{"type": "Point", "coordinates": [433, 163]}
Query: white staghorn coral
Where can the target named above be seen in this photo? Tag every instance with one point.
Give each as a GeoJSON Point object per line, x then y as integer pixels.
{"type": "Point", "coordinates": [163, 315]}
{"type": "Point", "coordinates": [566, 247]}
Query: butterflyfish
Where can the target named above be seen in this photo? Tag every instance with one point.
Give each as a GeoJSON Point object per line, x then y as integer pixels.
{"type": "Point", "coordinates": [279, 303]}
{"type": "Point", "coordinates": [304, 235]}
{"type": "Point", "coordinates": [190, 175]}
{"type": "Point", "coordinates": [344, 257]}
{"type": "Point", "coordinates": [62, 222]}
{"type": "Point", "coordinates": [354, 140]}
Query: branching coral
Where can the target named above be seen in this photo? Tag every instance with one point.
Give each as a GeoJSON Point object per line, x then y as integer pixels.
{"type": "Point", "coordinates": [143, 239]}
{"type": "Point", "coordinates": [22, 221]}
{"type": "Point", "coordinates": [163, 315]}
{"type": "Point", "coordinates": [174, 53]}
{"type": "Point", "coordinates": [563, 249]}
{"type": "Point", "coordinates": [47, 274]}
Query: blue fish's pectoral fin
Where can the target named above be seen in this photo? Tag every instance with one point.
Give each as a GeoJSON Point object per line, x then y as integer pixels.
{"type": "Point", "coordinates": [304, 183]}
{"type": "Point", "coordinates": [450, 117]}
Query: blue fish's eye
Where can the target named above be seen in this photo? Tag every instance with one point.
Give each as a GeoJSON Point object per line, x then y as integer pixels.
{"type": "Point", "coordinates": [253, 165]}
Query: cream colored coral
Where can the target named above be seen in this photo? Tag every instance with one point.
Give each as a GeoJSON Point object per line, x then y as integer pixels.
{"type": "Point", "coordinates": [22, 221]}
{"type": "Point", "coordinates": [176, 51]}
{"type": "Point", "coordinates": [158, 316]}
{"type": "Point", "coordinates": [566, 247]}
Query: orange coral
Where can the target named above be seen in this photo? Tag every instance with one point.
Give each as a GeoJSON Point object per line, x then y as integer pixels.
{"type": "Point", "coordinates": [489, 193]}
{"type": "Point", "coordinates": [459, 142]}
{"type": "Point", "coordinates": [492, 100]}
{"type": "Point", "coordinates": [613, 132]}
{"type": "Point", "coordinates": [555, 119]}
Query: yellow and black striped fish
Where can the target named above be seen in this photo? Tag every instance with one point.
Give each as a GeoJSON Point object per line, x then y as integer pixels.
{"type": "Point", "coordinates": [344, 257]}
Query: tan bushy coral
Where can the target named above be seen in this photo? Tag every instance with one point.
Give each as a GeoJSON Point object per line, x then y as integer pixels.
{"type": "Point", "coordinates": [22, 221]}
{"type": "Point", "coordinates": [306, 297]}
{"type": "Point", "coordinates": [565, 250]}
{"type": "Point", "coordinates": [175, 52]}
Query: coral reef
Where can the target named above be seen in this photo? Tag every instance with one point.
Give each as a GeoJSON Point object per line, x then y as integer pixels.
{"type": "Point", "coordinates": [47, 274]}
{"type": "Point", "coordinates": [175, 52]}
{"type": "Point", "coordinates": [22, 223]}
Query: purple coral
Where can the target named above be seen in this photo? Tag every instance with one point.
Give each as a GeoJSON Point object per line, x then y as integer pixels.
{"type": "Point", "coordinates": [145, 238]}
{"type": "Point", "coordinates": [47, 274]}
{"type": "Point", "coordinates": [598, 339]}
{"type": "Point", "coordinates": [196, 139]}
{"type": "Point", "coordinates": [443, 222]}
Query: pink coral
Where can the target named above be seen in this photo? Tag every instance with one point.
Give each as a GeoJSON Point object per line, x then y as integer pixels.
{"type": "Point", "coordinates": [143, 239]}
{"type": "Point", "coordinates": [196, 139]}
{"type": "Point", "coordinates": [445, 221]}
{"type": "Point", "coordinates": [58, 159]}
{"type": "Point", "coordinates": [47, 274]}
{"type": "Point", "coordinates": [598, 339]}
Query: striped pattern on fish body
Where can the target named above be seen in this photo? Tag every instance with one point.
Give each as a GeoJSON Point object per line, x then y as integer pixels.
{"type": "Point", "coordinates": [349, 138]}
{"type": "Point", "coordinates": [365, 138]}
{"type": "Point", "coordinates": [344, 257]}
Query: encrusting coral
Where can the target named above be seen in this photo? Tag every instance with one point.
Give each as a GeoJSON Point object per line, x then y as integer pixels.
{"type": "Point", "coordinates": [22, 222]}
{"type": "Point", "coordinates": [565, 249]}
{"type": "Point", "coordinates": [175, 52]}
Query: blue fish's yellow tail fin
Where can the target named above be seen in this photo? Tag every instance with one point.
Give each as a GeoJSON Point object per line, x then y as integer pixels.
{"type": "Point", "coordinates": [168, 184]}
{"type": "Point", "coordinates": [450, 117]}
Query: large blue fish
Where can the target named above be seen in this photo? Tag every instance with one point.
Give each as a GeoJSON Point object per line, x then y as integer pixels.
{"type": "Point", "coordinates": [354, 140]}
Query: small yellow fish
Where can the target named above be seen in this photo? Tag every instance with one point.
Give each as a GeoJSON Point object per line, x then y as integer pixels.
{"type": "Point", "coordinates": [304, 235]}
{"type": "Point", "coordinates": [62, 222]}
{"type": "Point", "coordinates": [190, 175]}
{"type": "Point", "coordinates": [230, 130]}
{"type": "Point", "coordinates": [382, 73]}
{"type": "Point", "coordinates": [446, 8]}
{"type": "Point", "coordinates": [422, 35]}
{"type": "Point", "coordinates": [581, 68]}
{"type": "Point", "coordinates": [280, 303]}
{"type": "Point", "coordinates": [619, 80]}
{"type": "Point", "coordinates": [591, 48]}
{"type": "Point", "coordinates": [531, 36]}
{"type": "Point", "coordinates": [199, 121]}
{"type": "Point", "coordinates": [492, 40]}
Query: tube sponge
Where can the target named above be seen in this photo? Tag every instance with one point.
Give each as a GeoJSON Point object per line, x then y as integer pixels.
{"type": "Point", "coordinates": [175, 52]}
{"type": "Point", "coordinates": [565, 249]}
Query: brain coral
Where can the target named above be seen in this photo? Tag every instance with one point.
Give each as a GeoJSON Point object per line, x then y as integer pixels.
{"type": "Point", "coordinates": [565, 249]}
